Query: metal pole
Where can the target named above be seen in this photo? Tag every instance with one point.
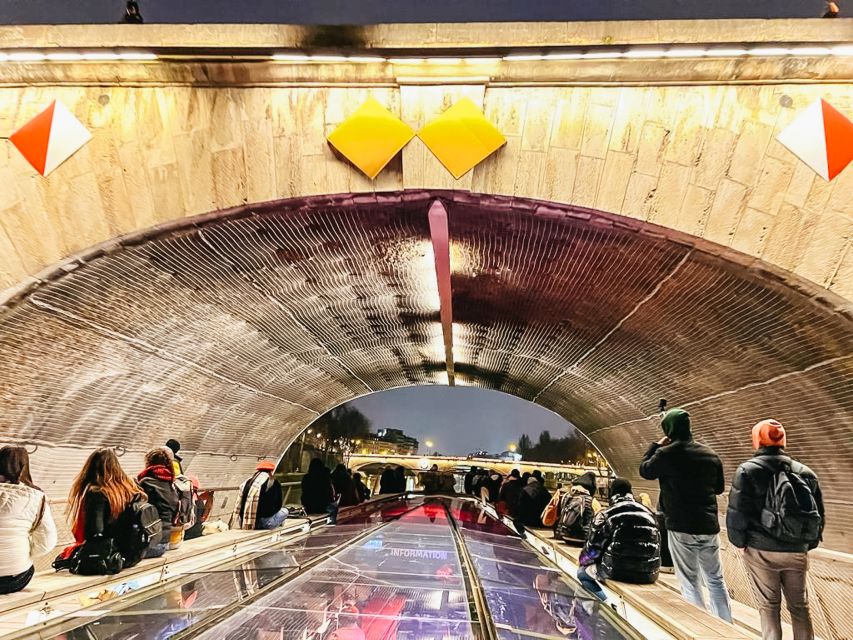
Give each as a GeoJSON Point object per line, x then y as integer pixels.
{"type": "Point", "coordinates": [301, 448]}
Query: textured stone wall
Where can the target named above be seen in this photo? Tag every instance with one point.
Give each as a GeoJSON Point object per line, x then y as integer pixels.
{"type": "Point", "coordinates": [701, 159]}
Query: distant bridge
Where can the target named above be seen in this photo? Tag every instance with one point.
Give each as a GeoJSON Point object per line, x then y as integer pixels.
{"type": "Point", "coordinates": [452, 463]}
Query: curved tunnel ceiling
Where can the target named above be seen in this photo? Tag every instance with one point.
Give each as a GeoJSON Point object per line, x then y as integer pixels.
{"type": "Point", "coordinates": [234, 331]}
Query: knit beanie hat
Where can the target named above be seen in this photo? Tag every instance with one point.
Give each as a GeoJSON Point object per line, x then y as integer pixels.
{"type": "Point", "coordinates": [620, 487]}
{"type": "Point", "coordinates": [768, 433]}
{"type": "Point", "coordinates": [587, 481]}
{"type": "Point", "coordinates": [265, 465]}
{"type": "Point", "coordinates": [676, 424]}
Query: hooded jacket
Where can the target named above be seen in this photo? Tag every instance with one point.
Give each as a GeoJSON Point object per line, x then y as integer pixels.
{"type": "Point", "coordinates": [747, 497]}
{"type": "Point", "coordinates": [624, 542]}
{"type": "Point", "coordinates": [317, 490]}
{"type": "Point", "coordinates": [532, 501]}
{"type": "Point", "coordinates": [690, 475]}
{"type": "Point", "coordinates": [158, 484]}
{"type": "Point", "coordinates": [20, 542]}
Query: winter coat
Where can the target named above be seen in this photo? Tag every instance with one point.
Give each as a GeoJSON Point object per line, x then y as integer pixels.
{"type": "Point", "coordinates": [509, 494]}
{"type": "Point", "coordinates": [362, 490]}
{"type": "Point", "coordinates": [20, 542]}
{"type": "Point", "coordinates": [345, 488]}
{"type": "Point", "coordinates": [155, 482]}
{"type": "Point", "coordinates": [532, 501]}
{"type": "Point", "coordinates": [624, 542]}
{"type": "Point", "coordinates": [270, 496]}
{"type": "Point", "coordinates": [691, 478]}
{"type": "Point", "coordinates": [317, 491]}
{"type": "Point", "coordinates": [746, 500]}
{"type": "Point", "coordinates": [388, 482]}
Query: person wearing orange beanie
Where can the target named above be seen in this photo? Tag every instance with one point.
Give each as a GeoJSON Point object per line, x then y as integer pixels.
{"type": "Point", "coordinates": [775, 534]}
{"type": "Point", "coordinates": [768, 433]}
{"type": "Point", "coordinates": [261, 503]}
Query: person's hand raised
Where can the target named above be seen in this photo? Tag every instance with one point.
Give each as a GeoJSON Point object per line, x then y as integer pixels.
{"type": "Point", "coordinates": [664, 441]}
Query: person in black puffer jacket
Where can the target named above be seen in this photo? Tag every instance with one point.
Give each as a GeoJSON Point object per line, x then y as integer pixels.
{"type": "Point", "coordinates": [623, 543]}
{"type": "Point", "coordinates": [768, 559]}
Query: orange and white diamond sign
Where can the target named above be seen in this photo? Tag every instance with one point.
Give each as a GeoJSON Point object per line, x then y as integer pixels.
{"type": "Point", "coordinates": [50, 138]}
{"type": "Point", "coordinates": [822, 137]}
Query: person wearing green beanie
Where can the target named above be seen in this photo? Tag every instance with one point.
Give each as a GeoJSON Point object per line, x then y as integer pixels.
{"type": "Point", "coordinates": [691, 477]}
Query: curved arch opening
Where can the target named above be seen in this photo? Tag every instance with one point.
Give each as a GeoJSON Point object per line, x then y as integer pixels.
{"type": "Point", "coordinates": [439, 421]}
{"type": "Point", "coordinates": [235, 330]}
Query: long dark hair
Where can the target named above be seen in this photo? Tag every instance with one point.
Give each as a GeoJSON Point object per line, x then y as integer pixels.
{"type": "Point", "coordinates": [15, 466]}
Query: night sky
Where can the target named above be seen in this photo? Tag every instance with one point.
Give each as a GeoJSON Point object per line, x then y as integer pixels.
{"type": "Point", "coordinates": [459, 420]}
{"type": "Point", "coordinates": [373, 11]}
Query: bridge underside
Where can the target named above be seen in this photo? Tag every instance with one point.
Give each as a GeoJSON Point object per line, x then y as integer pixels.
{"type": "Point", "coordinates": [233, 331]}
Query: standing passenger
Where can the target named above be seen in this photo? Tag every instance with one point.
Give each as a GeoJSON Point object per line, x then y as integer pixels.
{"type": "Point", "coordinates": [156, 480]}
{"type": "Point", "coordinates": [775, 542]}
{"type": "Point", "coordinates": [691, 478]}
{"type": "Point", "coordinates": [27, 529]}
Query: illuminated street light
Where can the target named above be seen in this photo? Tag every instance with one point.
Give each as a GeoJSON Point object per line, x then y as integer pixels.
{"type": "Point", "coordinates": [513, 447]}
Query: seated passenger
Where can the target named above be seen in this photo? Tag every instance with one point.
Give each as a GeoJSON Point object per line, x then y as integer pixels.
{"type": "Point", "coordinates": [531, 503]}
{"type": "Point", "coordinates": [469, 479]}
{"type": "Point", "coordinates": [261, 501]}
{"type": "Point", "coordinates": [509, 492]}
{"type": "Point", "coordinates": [360, 488]}
{"type": "Point", "coordinates": [157, 481]}
{"type": "Point", "coordinates": [98, 508]}
{"type": "Point", "coordinates": [431, 480]}
{"type": "Point", "coordinates": [399, 480]}
{"type": "Point", "coordinates": [344, 486]}
{"type": "Point", "coordinates": [27, 529]}
{"type": "Point", "coordinates": [577, 509]}
{"type": "Point", "coordinates": [203, 501]}
{"type": "Point", "coordinates": [490, 488]}
{"type": "Point", "coordinates": [387, 481]}
{"type": "Point", "coordinates": [318, 493]}
{"type": "Point", "coordinates": [623, 543]}
{"type": "Point", "coordinates": [177, 461]}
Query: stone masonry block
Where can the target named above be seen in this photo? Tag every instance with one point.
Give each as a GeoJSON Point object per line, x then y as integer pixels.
{"type": "Point", "coordinates": [752, 231]}
{"type": "Point", "coordinates": [746, 159]}
{"type": "Point", "coordinates": [725, 212]}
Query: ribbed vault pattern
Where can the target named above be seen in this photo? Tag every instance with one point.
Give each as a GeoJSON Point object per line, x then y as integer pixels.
{"type": "Point", "coordinates": [235, 331]}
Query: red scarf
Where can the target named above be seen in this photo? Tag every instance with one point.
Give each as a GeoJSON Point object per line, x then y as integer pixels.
{"type": "Point", "coordinates": [159, 471]}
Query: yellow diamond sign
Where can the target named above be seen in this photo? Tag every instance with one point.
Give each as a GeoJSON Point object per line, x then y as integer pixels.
{"type": "Point", "coordinates": [370, 137]}
{"type": "Point", "coordinates": [461, 137]}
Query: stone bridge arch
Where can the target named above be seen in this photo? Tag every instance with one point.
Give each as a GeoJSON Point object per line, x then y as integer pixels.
{"type": "Point", "coordinates": [248, 324]}
{"type": "Point", "coordinates": [641, 234]}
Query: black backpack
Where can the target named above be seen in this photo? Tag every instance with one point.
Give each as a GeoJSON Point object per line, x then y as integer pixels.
{"type": "Point", "coordinates": [790, 510]}
{"type": "Point", "coordinates": [575, 517]}
{"type": "Point", "coordinates": [98, 556]}
{"type": "Point", "coordinates": [141, 529]}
